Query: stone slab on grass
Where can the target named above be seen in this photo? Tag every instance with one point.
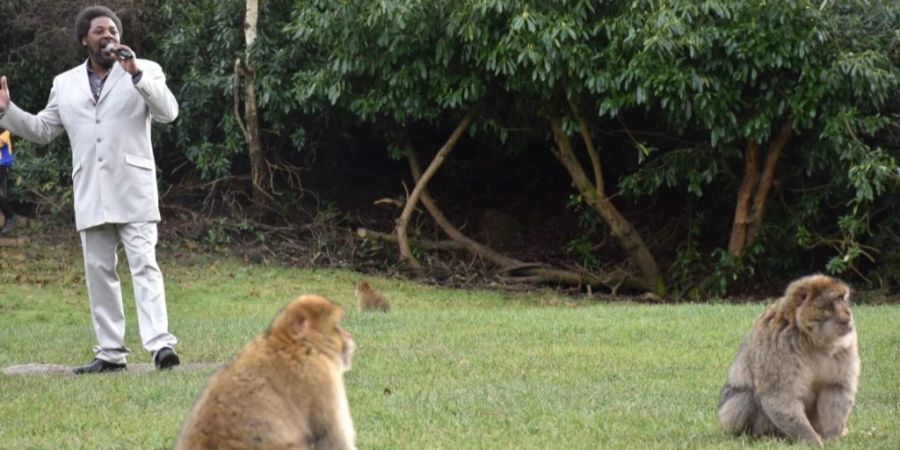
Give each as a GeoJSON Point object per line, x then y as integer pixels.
{"type": "Point", "coordinates": [59, 369]}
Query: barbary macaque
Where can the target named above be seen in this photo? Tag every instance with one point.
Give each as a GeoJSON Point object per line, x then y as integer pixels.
{"type": "Point", "coordinates": [284, 389]}
{"type": "Point", "coordinates": [797, 371]}
{"type": "Point", "coordinates": [369, 300]}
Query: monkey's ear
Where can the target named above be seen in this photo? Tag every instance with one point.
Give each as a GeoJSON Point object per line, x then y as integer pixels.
{"type": "Point", "coordinates": [802, 295]}
{"type": "Point", "coordinates": [292, 321]}
{"type": "Point", "coordinates": [297, 324]}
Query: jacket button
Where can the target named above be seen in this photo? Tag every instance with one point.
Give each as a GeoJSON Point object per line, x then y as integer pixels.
{"type": "Point", "coordinates": [99, 139]}
{"type": "Point", "coordinates": [98, 120]}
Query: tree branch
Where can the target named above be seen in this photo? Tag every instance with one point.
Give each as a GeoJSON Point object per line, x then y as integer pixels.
{"type": "Point", "coordinates": [566, 157]}
{"type": "Point", "coordinates": [403, 221]}
{"type": "Point", "coordinates": [738, 239]}
{"type": "Point", "coordinates": [773, 154]}
{"type": "Point", "coordinates": [599, 184]}
{"type": "Point", "coordinates": [371, 235]}
{"type": "Point", "coordinates": [238, 70]}
{"type": "Point", "coordinates": [454, 233]}
{"type": "Point", "coordinates": [628, 238]}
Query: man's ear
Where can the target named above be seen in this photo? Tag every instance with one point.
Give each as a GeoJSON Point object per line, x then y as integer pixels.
{"type": "Point", "coordinates": [83, 43]}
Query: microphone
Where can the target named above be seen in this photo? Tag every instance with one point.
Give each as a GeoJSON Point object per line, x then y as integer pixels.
{"type": "Point", "coordinates": [123, 53]}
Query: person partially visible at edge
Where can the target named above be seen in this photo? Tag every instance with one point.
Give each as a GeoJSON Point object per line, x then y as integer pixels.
{"type": "Point", "coordinates": [6, 162]}
{"type": "Point", "coordinates": [105, 106]}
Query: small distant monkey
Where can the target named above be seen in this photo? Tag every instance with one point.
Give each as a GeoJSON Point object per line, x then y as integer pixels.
{"type": "Point", "coordinates": [284, 389]}
{"type": "Point", "coordinates": [369, 300]}
{"type": "Point", "coordinates": [797, 370]}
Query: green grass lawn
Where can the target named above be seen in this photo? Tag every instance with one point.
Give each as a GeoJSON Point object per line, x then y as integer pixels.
{"type": "Point", "coordinates": [445, 369]}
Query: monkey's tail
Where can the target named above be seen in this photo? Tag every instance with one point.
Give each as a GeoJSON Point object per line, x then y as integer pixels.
{"type": "Point", "coordinates": [737, 408]}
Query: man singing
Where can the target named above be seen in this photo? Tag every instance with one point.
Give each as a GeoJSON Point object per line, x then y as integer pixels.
{"type": "Point", "coordinates": [105, 105]}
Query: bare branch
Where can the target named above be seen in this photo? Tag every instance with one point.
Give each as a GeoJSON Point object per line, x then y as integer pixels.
{"type": "Point", "coordinates": [371, 235]}
{"type": "Point", "coordinates": [238, 72]}
{"type": "Point", "coordinates": [599, 184]}
{"type": "Point", "coordinates": [454, 233]}
{"type": "Point", "coordinates": [403, 220]}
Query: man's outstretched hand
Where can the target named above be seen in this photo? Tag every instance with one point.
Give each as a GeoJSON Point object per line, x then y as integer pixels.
{"type": "Point", "coordinates": [4, 95]}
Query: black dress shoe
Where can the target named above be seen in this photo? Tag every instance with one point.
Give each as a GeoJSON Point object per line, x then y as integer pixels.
{"type": "Point", "coordinates": [98, 365]}
{"type": "Point", "coordinates": [165, 358]}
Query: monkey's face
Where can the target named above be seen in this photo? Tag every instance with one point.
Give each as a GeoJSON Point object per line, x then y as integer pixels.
{"type": "Point", "coordinates": [348, 347]}
{"type": "Point", "coordinates": [339, 340]}
{"type": "Point", "coordinates": [827, 315]}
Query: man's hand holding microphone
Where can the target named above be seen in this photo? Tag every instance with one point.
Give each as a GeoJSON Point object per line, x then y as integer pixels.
{"type": "Point", "coordinates": [124, 55]}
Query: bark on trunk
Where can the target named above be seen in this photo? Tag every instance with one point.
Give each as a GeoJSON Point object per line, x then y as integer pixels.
{"type": "Point", "coordinates": [245, 76]}
{"type": "Point", "coordinates": [403, 221]}
{"type": "Point", "coordinates": [593, 154]}
{"type": "Point", "coordinates": [593, 195]}
{"type": "Point", "coordinates": [754, 191]}
{"type": "Point", "coordinates": [745, 193]}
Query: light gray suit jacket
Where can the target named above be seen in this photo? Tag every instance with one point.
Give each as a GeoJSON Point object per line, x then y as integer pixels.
{"type": "Point", "coordinates": [113, 169]}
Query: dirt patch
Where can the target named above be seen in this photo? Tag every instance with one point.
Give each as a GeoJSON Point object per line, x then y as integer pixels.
{"type": "Point", "coordinates": [59, 369]}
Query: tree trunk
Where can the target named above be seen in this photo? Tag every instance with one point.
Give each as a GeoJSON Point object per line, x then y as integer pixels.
{"type": "Point", "coordinates": [745, 194]}
{"type": "Point", "coordinates": [754, 191]}
{"type": "Point", "coordinates": [593, 194]}
{"type": "Point", "coordinates": [245, 75]}
{"type": "Point", "coordinates": [403, 221]}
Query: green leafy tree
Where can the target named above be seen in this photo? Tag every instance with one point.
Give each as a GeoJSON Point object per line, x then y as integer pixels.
{"type": "Point", "coordinates": [406, 62]}
{"type": "Point", "coordinates": [799, 82]}
{"type": "Point", "coordinates": [776, 124]}
{"type": "Point", "coordinates": [238, 113]}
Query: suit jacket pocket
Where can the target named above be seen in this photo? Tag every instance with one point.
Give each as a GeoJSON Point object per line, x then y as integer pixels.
{"type": "Point", "coordinates": [137, 161]}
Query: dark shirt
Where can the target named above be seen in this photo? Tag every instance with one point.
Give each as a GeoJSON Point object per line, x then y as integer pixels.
{"type": "Point", "coordinates": [96, 81]}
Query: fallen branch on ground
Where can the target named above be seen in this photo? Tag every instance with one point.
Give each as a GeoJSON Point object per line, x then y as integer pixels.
{"type": "Point", "coordinates": [371, 235]}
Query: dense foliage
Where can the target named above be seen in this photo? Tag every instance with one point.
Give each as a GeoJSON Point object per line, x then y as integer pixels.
{"type": "Point", "coordinates": [671, 95]}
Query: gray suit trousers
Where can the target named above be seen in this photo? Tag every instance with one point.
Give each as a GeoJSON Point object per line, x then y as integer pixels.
{"type": "Point", "coordinates": [99, 246]}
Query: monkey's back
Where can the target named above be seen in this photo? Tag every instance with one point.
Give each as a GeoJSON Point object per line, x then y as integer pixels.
{"type": "Point", "coordinates": [259, 400]}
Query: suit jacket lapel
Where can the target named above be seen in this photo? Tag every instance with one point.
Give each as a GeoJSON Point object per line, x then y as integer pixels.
{"type": "Point", "coordinates": [83, 80]}
{"type": "Point", "coordinates": [115, 74]}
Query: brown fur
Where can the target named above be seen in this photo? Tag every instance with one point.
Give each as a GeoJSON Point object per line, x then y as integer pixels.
{"type": "Point", "coordinates": [283, 390]}
{"type": "Point", "coordinates": [797, 371]}
{"type": "Point", "coordinates": [369, 300]}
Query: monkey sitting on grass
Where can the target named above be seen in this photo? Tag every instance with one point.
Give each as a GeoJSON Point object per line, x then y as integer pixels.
{"type": "Point", "coordinates": [797, 371]}
{"type": "Point", "coordinates": [369, 300]}
{"type": "Point", "coordinates": [285, 389]}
